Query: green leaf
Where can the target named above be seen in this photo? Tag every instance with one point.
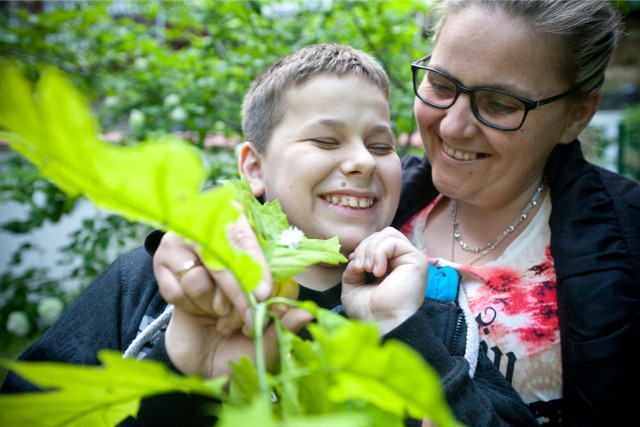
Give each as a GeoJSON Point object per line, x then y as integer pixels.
{"type": "Point", "coordinates": [243, 387]}
{"type": "Point", "coordinates": [391, 376]}
{"type": "Point", "coordinates": [259, 413]}
{"type": "Point", "coordinates": [269, 222]}
{"type": "Point", "coordinates": [285, 262]}
{"type": "Point", "coordinates": [158, 182]}
{"type": "Point", "coordinates": [94, 395]}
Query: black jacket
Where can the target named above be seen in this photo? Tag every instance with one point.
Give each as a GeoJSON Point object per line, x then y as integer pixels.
{"type": "Point", "coordinates": [110, 310]}
{"type": "Point", "coordinates": [595, 244]}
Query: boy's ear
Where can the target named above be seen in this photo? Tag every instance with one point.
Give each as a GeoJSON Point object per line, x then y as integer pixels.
{"type": "Point", "coordinates": [250, 165]}
{"type": "Point", "coordinates": [580, 114]}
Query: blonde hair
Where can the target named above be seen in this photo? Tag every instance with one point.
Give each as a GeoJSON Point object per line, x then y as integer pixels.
{"type": "Point", "coordinates": [262, 108]}
{"type": "Point", "coordinates": [585, 32]}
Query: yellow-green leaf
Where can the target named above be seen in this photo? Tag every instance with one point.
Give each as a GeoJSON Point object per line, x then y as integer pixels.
{"type": "Point", "coordinates": [94, 395]}
{"type": "Point", "coordinates": [157, 182]}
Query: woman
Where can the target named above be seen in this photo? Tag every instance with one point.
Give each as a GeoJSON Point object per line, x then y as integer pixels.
{"type": "Point", "coordinates": [547, 245]}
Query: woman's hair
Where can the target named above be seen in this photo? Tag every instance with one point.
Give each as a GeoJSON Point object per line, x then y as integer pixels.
{"type": "Point", "coordinates": [263, 109]}
{"type": "Point", "coordinates": [585, 32]}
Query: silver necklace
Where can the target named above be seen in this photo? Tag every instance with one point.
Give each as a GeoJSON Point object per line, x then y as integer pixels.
{"type": "Point", "coordinates": [489, 247]}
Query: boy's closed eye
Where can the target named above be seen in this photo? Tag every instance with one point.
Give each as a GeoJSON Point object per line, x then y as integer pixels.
{"type": "Point", "coordinates": [381, 148]}
{"type": "Point", "coordinates": [327, 143]}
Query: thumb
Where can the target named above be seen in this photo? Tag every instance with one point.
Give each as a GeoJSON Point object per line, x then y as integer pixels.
{"type": "Point", "coordinates": [294, 319]}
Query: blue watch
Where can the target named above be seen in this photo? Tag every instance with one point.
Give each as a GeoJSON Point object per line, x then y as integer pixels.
{"type": "Point", "coordinates": [443, 283]}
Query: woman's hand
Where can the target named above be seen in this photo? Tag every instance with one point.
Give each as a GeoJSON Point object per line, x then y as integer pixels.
{"type": "Point", "coordinates": [399, 273]}
{"type": "Point", "coordinates": [211, 322]}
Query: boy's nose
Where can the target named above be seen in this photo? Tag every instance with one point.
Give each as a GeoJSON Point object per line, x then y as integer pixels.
{"type": "Point", "coordinates": [358, 160]}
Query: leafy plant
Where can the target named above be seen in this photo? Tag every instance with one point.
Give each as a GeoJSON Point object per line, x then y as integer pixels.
{"type": "Point", "coordinates": [344, 372]}
{"type": "Point", "coordinates": [158, 67]}
{"type": "Point", "coordinates": [629, 145]}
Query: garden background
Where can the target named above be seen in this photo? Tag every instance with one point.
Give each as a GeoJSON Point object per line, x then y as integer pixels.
{"type": "Point", "coordinates": [155, 67]}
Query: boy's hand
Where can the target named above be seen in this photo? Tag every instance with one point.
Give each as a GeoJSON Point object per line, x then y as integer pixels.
{"type": "Point", "coordinates": [400, 277]}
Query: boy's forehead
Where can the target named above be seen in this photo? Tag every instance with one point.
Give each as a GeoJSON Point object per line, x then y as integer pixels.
{"type": "Point", "coordinates": [328, 76]}
{"type": "Point", "coordinates": [334, 102]}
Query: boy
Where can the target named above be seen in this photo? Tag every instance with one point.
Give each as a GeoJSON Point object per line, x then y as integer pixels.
{"type": "Point", "coordinates": [318, 140]}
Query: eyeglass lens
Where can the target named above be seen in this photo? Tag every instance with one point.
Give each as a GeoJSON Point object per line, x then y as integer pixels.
{"type": "Point", "coordinates": [492, 107]}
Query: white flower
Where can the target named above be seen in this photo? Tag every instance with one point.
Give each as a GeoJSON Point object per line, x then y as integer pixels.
{"type": "Point", "coordinates": [291, 237]}
{"type": "Point", "coordinates": [111, 101]}
{"type": "Point", "coordinates": [178, 114]}
{"type": "Point", "coordinates": [171, 100]}
{"type": "Point", "coordinates": [18, 324]}
{"type": "Point", "coordinates": [49, 309]}
{"type": "Point", "coordinates": [141, 63]}
{"type": "Point", "coordinates": [136, 119]}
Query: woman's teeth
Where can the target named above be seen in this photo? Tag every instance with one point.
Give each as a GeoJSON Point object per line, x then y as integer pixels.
{"type": "Point", "coordinates": [459, 155]}
{"type": "Point", "coordinates": [350, 201]}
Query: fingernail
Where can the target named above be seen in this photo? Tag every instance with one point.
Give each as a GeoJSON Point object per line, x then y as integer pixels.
{"type": "Point", "coordinates": [246, 330]}
{"type": "Point", "coordinates": [263, 290]}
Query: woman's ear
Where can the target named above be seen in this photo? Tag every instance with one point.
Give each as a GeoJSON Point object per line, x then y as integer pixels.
{"type": "Point", "coordinates": [580, 114]}
{"type": "Point", "coordinates": [250, 165]}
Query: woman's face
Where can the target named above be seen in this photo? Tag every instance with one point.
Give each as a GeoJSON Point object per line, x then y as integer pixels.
{"type": "Point", "coordinates": [472, 161]}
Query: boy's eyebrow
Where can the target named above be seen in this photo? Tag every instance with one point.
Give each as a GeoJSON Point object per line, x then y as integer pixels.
{"type": "Point", "coordinates": [331, 123]}
{"type": "Point", "coordinates": [339, 124]}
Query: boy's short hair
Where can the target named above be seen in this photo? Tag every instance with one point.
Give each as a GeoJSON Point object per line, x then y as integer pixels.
{"type": "Point", "coordinates": [262, 107]}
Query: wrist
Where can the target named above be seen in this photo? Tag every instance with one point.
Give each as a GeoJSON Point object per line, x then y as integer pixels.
{"type": "Point", "coordinates": [390, 322]}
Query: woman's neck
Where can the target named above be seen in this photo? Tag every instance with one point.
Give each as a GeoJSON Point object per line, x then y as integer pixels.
{"type": "Point", "coordinates": [478, 226]}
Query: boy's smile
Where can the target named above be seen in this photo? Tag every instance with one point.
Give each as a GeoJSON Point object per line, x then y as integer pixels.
{"type": "Point", "coordinates": [331, 161]}
{"type": "Point", "coordinates": [350, 201]}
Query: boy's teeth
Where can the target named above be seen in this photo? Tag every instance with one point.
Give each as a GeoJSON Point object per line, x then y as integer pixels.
{"type": "Point", "coordinates": [351, 201]}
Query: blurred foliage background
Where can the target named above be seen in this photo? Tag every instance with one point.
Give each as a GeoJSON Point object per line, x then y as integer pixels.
{"type": "Point", "coordinates": [152, 67]}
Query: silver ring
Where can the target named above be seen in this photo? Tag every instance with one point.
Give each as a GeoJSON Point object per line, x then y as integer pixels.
{"type": "Point", "coordinates": [188, 266]}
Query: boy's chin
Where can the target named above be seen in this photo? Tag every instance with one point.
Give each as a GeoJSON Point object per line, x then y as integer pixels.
{"type": "Point", "coordinates": [349, 242]}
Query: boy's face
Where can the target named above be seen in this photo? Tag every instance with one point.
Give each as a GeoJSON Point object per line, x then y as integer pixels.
{"type": "Point", "coordinates": [331, 162]}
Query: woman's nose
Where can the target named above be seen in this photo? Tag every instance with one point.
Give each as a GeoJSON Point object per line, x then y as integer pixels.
{"type": "Point", "coordinates": [459, 119]}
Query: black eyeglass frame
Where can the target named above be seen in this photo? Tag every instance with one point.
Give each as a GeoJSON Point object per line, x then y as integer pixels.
{"type": "Point", "coordinates": [460, 88]}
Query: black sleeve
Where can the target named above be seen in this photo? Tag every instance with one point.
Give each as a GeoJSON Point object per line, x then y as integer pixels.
{"type": "Point", "coordinates": [172, 409]}
{"type": "Point", "coordinates": [487, 399]}
{"type": "Point", "coordinates": [105, 316]}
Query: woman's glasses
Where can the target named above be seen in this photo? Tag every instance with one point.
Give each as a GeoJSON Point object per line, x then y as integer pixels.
{"type": "Point", "coordinates": [493, 107]}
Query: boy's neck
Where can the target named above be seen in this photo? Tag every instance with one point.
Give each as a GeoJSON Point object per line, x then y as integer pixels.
{"type": "Point", "coordinates": [321, 277]}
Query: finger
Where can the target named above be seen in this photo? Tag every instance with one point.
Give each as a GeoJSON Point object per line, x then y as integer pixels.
{"type": "Point", "coordinates": [233, 292]}
{"type": "Point", "coordinates": [171, 290]}
{"type": "Point", "coordinates": [386, 249]}
{"type": "Point", "coordinates": [175, 252]}
{"type": "Point", "coordinates": [221, 304]}
{"type": "Point", "coordinates": [354, 275]}
{"type": "Point", "coordinates": [200, 289]}
{"type": "Point", "coordinates": [295, 318]}
{"type": "Point", "coordinates": [227, 325]}
{"type": "Point", "coordinates": [241, 235]}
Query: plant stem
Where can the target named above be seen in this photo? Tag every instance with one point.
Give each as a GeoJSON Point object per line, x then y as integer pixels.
{"type": "Point", "coordinates": [259, 317]}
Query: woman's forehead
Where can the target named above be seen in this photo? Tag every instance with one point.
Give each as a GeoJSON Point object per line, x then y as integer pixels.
{"type": "Point", "coordinates": [489, 48]}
